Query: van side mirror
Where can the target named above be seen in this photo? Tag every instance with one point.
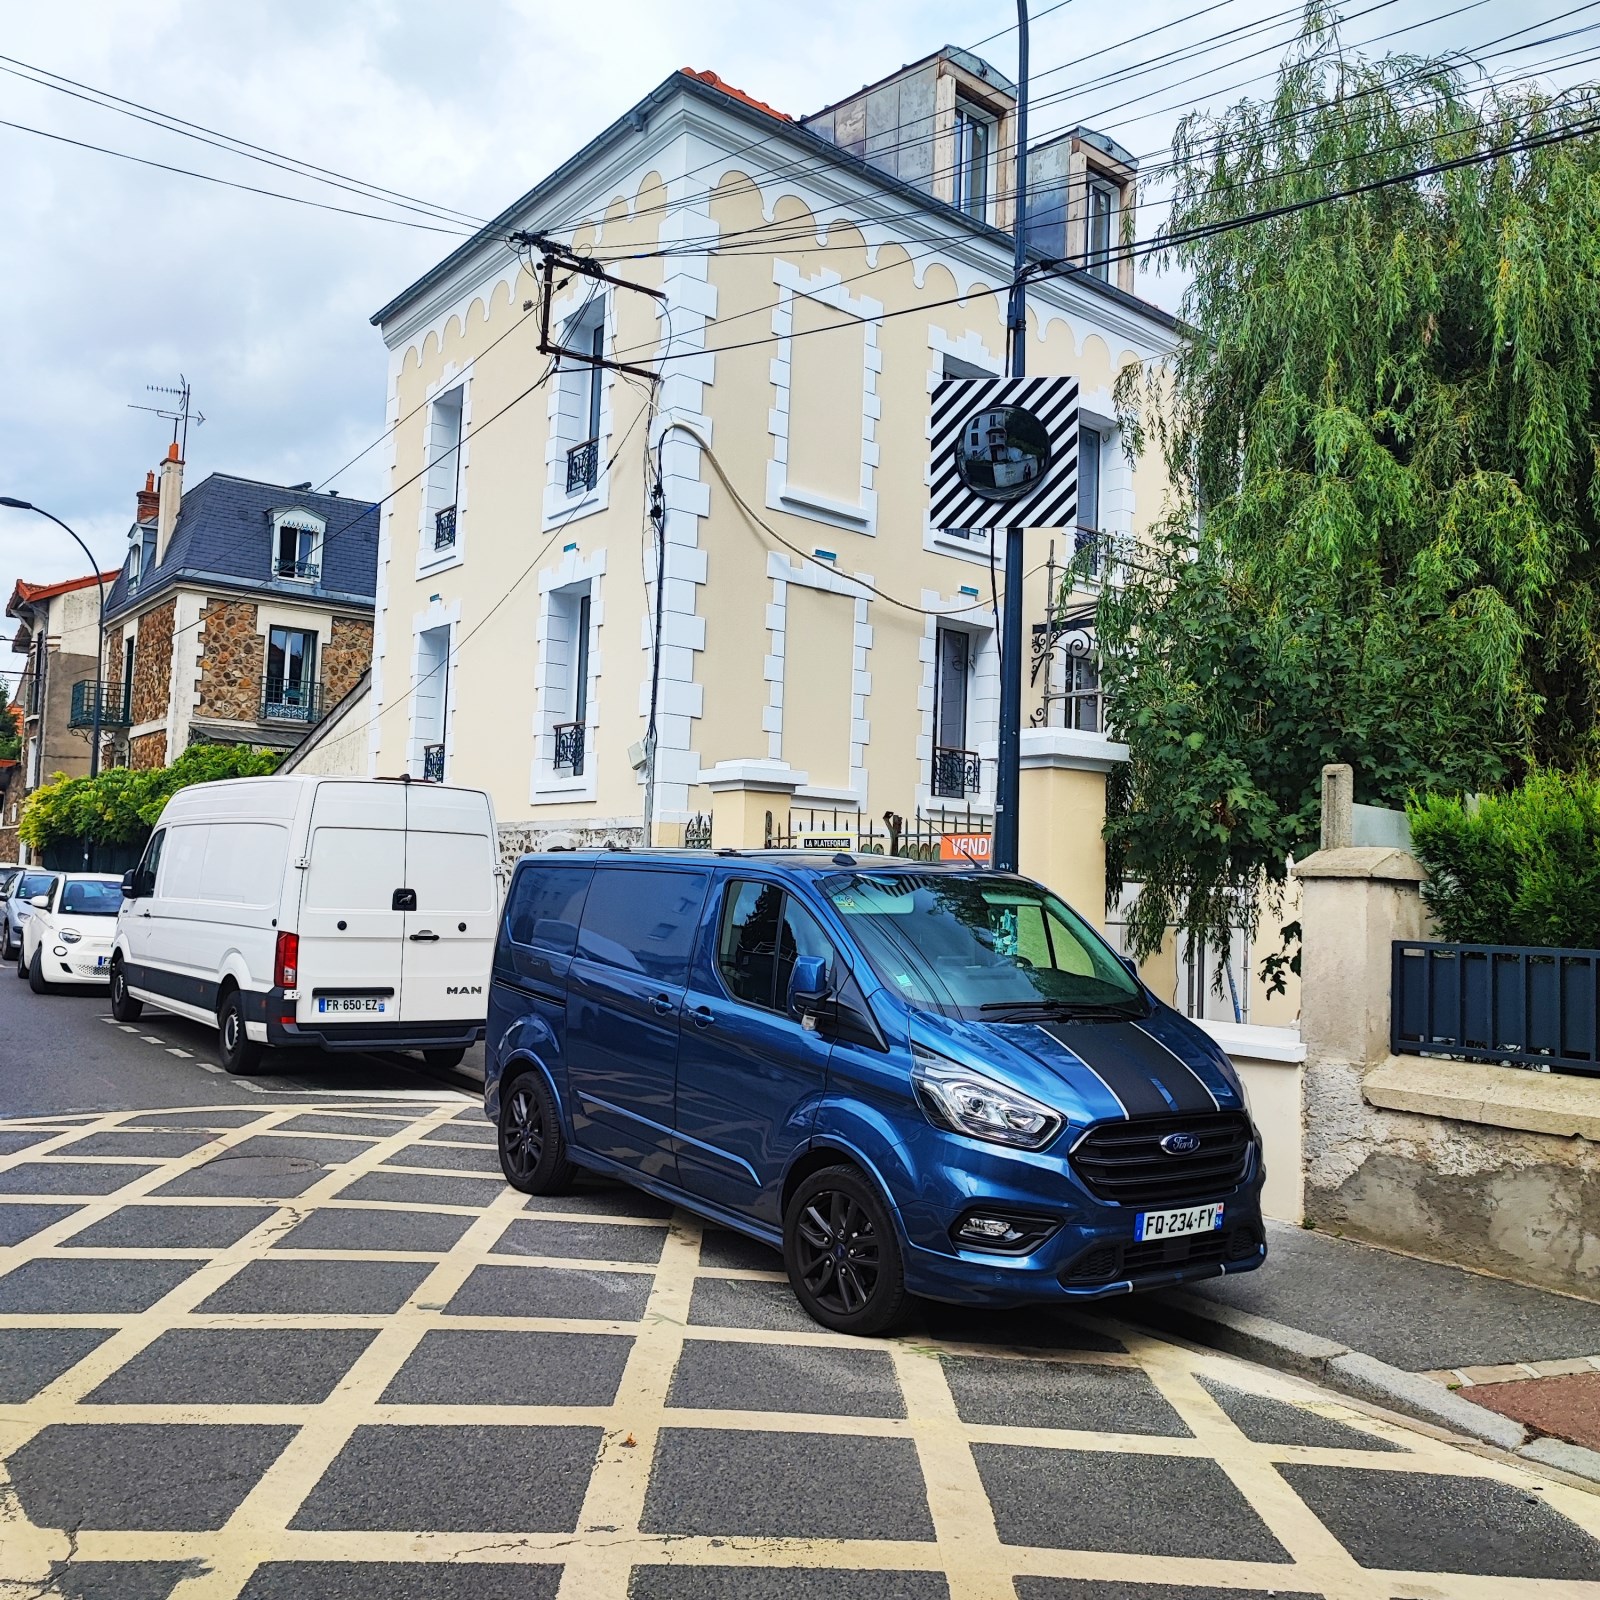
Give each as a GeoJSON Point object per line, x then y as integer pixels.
{"type": "Point", "coordinates": [1132, 966]}
{"type": "Point", "coordinates": [130, 884]}
{"type": "Point", "coordinates": [808, 985]}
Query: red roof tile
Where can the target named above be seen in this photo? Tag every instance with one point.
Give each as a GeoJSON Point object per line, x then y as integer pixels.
{"type": "Point", "coordinates": [26, 592]}
{"type": "Point", "coordinates": [737, 94]}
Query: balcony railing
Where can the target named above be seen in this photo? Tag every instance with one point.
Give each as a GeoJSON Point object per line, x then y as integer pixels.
{"type": "Point", "coordinates": [285, 700]}
{"type": "Point", "coordinates": [113, 700]}
{"type": "Point", "coordinates": [1090, 544]}
{"type": "Point", "coordinates": [444, 529]}
{"type": "Point", "coordinates": [306, 571]}
{"type": "Point", "coordinates": [956, 774]}
{"type": "Point", "coordinates": [569, 748]}
{"type": "Point", "coordinates": [583, 466]}
{"type": "Point", "coordinates": [433, 763]}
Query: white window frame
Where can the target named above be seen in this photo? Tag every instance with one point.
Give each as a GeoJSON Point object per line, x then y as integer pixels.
{"type": "Point", "coordinates": [1104, 189]}
{"type": "Point", "coordinates": [561, 592]}
{"type": "Point", "coordinates": [966, 111]}
{"type": "Point", "coordinates": [572, 405]}
{"type": "Point", "coordinates": [440, 487]}
{"type": "Point", "coordinates": [434, 620]}
{"type": "Point", "coordinates": [300, 521]}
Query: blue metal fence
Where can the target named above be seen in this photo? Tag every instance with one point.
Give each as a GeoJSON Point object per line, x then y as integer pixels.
{"type": "Point", "coordinates": [1524, 1006]}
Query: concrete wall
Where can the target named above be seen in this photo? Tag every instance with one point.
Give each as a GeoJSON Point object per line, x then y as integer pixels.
{"type": "Point", "coordinates": [1492, 1167]}
{"type": "Point", "coordinates": [1270, 1065]}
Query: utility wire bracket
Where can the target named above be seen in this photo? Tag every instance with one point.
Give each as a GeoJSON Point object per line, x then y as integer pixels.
{"type": "Point", "coordinates": [554, 253]}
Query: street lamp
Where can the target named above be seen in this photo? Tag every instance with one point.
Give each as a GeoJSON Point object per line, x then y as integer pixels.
{"type": "Point", "coordinates": [100, 631]}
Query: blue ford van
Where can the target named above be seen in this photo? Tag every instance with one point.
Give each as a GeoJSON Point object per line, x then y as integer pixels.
{"type": "Point", "coordinates": [913, 1079]}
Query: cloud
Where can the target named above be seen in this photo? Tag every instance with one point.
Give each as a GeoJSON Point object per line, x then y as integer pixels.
{"type": "Point", "coordinates": [115, 276]}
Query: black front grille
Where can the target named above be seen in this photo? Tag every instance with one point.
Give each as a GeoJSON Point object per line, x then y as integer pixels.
{"type": "Point", "coordinates": [1109, 1263]}
{"type": "Point", "coordinates": [1124, 1162]}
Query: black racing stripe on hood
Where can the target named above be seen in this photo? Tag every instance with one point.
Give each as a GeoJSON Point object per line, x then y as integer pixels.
{"type": "Point", "coordinates": [1147, 1079]}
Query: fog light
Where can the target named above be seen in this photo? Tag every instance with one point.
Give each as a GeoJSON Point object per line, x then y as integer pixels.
{"type": "Point", "coordinates": [60, 950]}
{"type": "Point", "coordinates": [1009, 1231]}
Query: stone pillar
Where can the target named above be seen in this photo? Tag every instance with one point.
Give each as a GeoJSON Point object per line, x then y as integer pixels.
{"type": "Point", "coordinates": [1063, 813]}
{"type": "Point", "coordinates": [742, 793]}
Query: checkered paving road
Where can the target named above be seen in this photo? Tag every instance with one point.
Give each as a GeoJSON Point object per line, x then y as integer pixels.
{"type": "Point", "coordinates": [320, 1352]}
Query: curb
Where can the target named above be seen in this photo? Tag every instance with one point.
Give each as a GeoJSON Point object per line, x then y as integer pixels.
{"type": "Point", "coordinates": [1363, 1377]}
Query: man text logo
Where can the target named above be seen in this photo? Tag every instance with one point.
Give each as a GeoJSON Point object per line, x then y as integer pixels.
{"type": "Point", "coordinates": [464, 988]}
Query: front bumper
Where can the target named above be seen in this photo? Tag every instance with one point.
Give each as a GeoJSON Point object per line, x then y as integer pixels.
{"type": "Point", "coordinates": [79, 965]}
{"type": "Point", "coordinates": [1091, 1255]}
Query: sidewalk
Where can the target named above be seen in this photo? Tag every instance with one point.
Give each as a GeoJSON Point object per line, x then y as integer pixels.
{"type": "Point", "coordinates": [1515, 1366]}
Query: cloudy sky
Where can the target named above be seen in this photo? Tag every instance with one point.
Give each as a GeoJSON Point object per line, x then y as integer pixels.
{"type": "Point", "coordinates": [115, 276]}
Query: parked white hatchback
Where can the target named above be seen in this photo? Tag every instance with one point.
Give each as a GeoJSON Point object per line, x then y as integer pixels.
{"type": "Point", "coordinates": [69, 936]}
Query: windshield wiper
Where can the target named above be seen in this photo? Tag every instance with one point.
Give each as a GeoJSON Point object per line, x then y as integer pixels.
{"type": "Point", "coordinates": [1023, 1010]}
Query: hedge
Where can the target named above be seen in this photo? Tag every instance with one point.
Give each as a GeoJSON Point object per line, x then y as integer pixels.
{"type": "Point", "coordinates": [1521, 867]}
{"type": "Point", "coordinates": [123, 804]}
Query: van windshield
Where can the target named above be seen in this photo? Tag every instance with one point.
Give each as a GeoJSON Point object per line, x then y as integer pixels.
{"type": "Point", "coordinates": [987, 947]}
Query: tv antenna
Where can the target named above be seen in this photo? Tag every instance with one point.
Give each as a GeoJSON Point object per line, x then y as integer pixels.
{"type": "Point", "coordinates": [176, 410]}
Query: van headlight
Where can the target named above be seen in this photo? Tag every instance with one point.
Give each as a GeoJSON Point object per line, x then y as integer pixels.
{"type": "Point", "coordinates": [964, 1101]}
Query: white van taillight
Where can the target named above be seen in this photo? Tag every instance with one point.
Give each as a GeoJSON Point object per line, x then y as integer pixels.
{"type": "Point", "coordinates": [286, 961]}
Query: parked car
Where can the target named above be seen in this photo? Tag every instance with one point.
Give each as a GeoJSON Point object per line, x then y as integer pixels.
{"type": "Point", "coordinates": [17, 906]}
{"type": "Point", "coordinates": [914, 1080]}
{"type": "Point", "coordinates": [68, 937]}
{"type": "Point", "coordinates": [350, 913]}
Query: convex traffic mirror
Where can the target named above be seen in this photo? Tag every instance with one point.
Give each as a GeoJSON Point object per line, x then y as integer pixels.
{"type": "Point", "coordinates": [1003, 452]}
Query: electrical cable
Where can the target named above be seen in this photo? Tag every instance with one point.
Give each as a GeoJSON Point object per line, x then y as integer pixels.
{"type": "Point", "coordinates": [229, 183]}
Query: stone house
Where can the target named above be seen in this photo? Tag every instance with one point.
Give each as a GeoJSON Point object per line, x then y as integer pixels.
{"type": "Point", "coordinates": [242, 615]}
{"type": "Point", "coordinates": [57, 626]}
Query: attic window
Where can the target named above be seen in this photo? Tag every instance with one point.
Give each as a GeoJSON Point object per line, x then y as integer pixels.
{"type": "Point", "coordinates": [1102, 224]}
{"type": "Point", "coordinates": [973, 154]}
{"type": "Point", "coordinates": [297, 547]}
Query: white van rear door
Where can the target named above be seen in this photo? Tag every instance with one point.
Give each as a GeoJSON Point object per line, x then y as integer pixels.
{"type": "Point", "coordinates": [449, 944]}
{"type": "Point", "coordinates": [351, 934]}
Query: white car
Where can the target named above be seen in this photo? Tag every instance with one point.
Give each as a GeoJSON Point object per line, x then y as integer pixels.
{"type": "Point", "coordinates": [69, 935]}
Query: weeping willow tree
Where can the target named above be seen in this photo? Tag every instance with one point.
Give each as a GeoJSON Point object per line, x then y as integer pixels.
{"type": "Point", "coordinates": [1382, 432]}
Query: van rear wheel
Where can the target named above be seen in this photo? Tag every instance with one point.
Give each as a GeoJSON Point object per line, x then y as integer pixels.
{"type": "Point", "coordinates": [842, 1253]}
{"type": "Point", "coordinates": [444, 1060]}
{"type": "Point", "coordinates": [533, 1149]}
{"type": "Point", "coordinates": [238, 1052]}
{"type": "Point", "coordinates": [123, 1006]}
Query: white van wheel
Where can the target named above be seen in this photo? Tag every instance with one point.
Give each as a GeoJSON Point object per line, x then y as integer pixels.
{"type": "Point", "coordinates": [123, 1006]}
{"type": "Point", "coordinates": [239, 1053]}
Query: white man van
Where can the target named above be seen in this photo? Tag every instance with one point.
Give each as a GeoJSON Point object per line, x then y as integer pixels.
{"type": "Point", "coordinates": [350, 913]}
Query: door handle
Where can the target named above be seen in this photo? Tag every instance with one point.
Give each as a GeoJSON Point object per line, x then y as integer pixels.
{"type": "Point", "coordinates": [662, 1005]}
{"type": "Point", "coordinates": [144, 913]}
{"type": "Point", "coordinates": [425, 937]}
{"type": "Point", "coordinates": [703, 1016]}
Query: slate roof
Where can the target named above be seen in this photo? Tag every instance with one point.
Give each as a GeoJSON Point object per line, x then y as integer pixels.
{"type": "Point", "coordinates": [223, 540]}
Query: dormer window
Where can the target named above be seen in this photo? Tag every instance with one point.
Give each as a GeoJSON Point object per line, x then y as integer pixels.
{"type": "Point", "coordinates": [1101, 226]}
{"type": "Point", "coordinates": [973, 154]}
{"type": "Point", "coordinates": [297, 546]}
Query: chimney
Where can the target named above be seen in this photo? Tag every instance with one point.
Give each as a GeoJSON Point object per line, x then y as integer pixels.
{"type": "Point", "coordinates": [169, 499]}
{"type": "Point", "coordinates": [147, 501]}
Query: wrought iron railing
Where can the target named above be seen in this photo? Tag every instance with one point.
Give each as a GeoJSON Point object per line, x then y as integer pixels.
{"type": "Point", "coordinates": [945, 835]}
{"type": "Point", "coordinates": [569, 748]}
{"type": "Point", "coordinates": [444, 529]}
{"type": "Point", "coordinates": [956, 774]}
{"type": "Point", "coordinates": [283, 567]}
{"type": "Point", "coordinates": [1519, 1005]}
{"type": "Point", "coordinates": [291, 700]}
{"type": "Point", "coordinates": [433, 763]}
{"type": "Point", "coordinates": [583, 466]}
{"type": "Point", "coordinates": [113, 700]}
{"type": "Point", "coordinates": [1089, 544]}
{"type": "Point", "coordinates": [697, 832]}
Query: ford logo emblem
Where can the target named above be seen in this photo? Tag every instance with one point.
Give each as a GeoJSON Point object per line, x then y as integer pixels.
{"type": "Point", "coordinates": [1181, 1144]}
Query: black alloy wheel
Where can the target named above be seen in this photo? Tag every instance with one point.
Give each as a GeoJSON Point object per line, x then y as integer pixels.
{"type": "Point", "coordinates": [36, 978]}
{"type": "Point", "coordinates": [123, 1006]}
{"type": "Point", "coordinates": [842, 1253]}
{"type": "Point", "coordinates": [533, 1150]}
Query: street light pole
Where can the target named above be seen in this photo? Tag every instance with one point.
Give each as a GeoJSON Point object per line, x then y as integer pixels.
{"type": "Point", "coordinates": [1008, 777]}
{"type": "Point", "coordinates": [99, 634]}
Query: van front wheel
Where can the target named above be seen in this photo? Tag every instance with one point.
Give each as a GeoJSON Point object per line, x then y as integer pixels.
{"type": "Point", "coordinates": [239, 1053]}
{"type": "Point", "coordinates": [533, 1150]}
{"type": "Point", "coordinates": [842, 1253]}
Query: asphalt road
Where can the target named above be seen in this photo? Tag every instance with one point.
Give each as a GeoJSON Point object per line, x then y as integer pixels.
{"type": "Point", "coordinates": [296, 1339]}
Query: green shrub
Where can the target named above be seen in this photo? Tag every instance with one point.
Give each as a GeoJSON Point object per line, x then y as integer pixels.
{"type": "Point", "coordinates": [1521, 868]}
{"type": "Point", "coordinates": [122, 805]}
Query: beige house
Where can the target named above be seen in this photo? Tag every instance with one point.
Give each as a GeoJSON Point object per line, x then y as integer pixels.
{"type": "Point", "coordinates": [827, 659]}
